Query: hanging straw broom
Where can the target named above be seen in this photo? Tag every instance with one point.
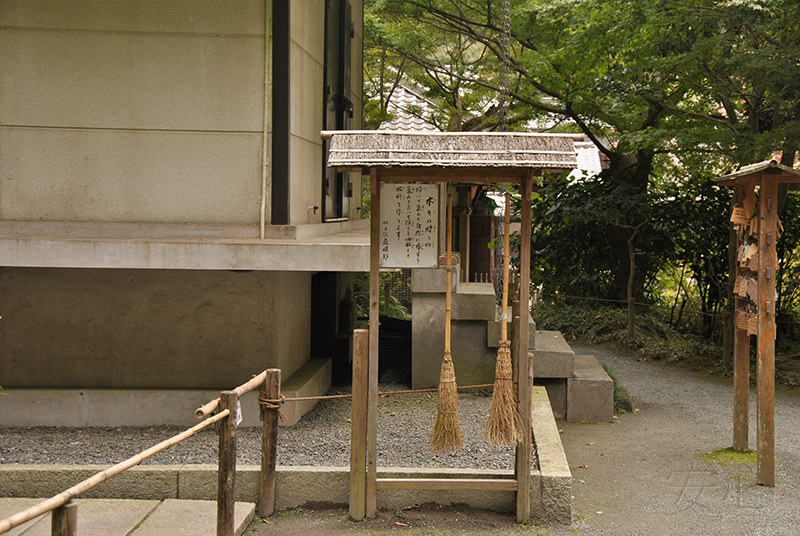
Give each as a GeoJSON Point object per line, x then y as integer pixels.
{"type": "Point", "coordinates": [504, 424]}
{"type": "Point", "coordinates": [446, 434]}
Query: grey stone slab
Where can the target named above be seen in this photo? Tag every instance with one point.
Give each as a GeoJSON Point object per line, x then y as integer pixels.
{"type": "Point", "coordinates": [104, 517]}
{"type": "Point", "coordinates": [493, 333]}
{"type": "Point", "coordinates": [199, 482]}
{"type": "Point", "coordinates": [9, 507]}
{"type": "Point", "coordinates": [553, 358]}
{"type": "Point", "coordinates": [590, 392]}
{"type": "Point", "coordinates": [556, 478]}
{"type": "Point", "coordinates": [192, 518]}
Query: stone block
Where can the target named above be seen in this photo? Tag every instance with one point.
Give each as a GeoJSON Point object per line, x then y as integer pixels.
{"type": "Point", "coordinates": [493, 333]}
{"type": "Point", "coordinates": [556, 478]}
{"type": "Point", "coordinates": [474, 301]}
{"type": "Point", "coordinates": [199, 482]}
{"type": "Point", "coordinates": [312, 379]}
{"type": "Point", "coordinates": [590, 392]}
{"type": "Point", "coordinates": [553, 358]}
{"type": "Point", "coordinates": [311, 486]}
{"type": "Point", "coordinates": [557, 393]}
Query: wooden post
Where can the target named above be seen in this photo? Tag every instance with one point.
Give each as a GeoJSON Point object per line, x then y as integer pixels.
{"type": "Point", "coordinates": [374, 319]}
{"type": "Point", "coordinates": [227, 464]}
{"type": "Point", "coordinates": [741, 365]}
{"type": "Point", "coordinates": [269, 390]}
{"type": "Point", "coordinates": [358, 425]}
{"type": "Point", "coordinates": [767, 266]}
{"type": "Point", "coordinates": [64, 520]}
{"type": "Point", "coordinates": [525, 382]}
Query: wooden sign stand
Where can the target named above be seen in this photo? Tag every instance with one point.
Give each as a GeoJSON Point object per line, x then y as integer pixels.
{"type": "Point", "coordinates": [767, 176]}
{"type": "Point", "coordinates": [442, 157]}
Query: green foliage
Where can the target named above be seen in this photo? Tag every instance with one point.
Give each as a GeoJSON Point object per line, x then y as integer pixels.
{"type": "Point", "coordinates": [361, 295]}
{"type": "Point", "coordinates": [620, 393]}
{"type": "Point", "coordinates": [601, 324]}
{"type": "Point", "coordinates": [728, 456]}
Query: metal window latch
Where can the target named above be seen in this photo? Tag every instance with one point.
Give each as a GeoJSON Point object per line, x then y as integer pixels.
{"type": "Point", "coordinates": [769, 273]}
{"type": "Point", "coordinates": [769, 308]}
{"type": "Point", "coordinates": [769, 239]}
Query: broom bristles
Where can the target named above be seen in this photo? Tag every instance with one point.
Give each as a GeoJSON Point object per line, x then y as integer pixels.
{"type": "Point", "coordinates": [446, 434]}
{"type": "Point", "coordinates": [504, 424]}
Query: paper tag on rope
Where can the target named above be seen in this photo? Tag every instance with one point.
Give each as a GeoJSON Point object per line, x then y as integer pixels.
{"type": "Point", "coordinates": [238, 412]}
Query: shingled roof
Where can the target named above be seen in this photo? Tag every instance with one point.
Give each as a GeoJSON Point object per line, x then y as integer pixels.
{"type": "Point", "coordinates": [546, 152]}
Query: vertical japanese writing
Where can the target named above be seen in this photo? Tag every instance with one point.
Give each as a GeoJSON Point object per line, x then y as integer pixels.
{"type": "Point", "coordinates": [409, 225]}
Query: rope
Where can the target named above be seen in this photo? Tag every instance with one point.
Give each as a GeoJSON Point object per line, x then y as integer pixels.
{"type": "Point", "coordinates": [276, 404]}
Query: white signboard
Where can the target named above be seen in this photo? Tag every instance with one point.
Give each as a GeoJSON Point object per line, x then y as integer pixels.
{"type": "Point", "coordinates": [409, 225]}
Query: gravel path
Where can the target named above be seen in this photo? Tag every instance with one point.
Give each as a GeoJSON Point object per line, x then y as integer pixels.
{"type": "Point", "coordinates": [322, 437]}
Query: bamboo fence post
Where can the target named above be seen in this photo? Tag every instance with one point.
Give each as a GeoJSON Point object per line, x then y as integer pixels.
{"type": "Point", "coordinates": [64, 520]}
{"type": "Point", "coordinates": [374, 320]}
{"type": "Point", "coordinates": [741, 363]}
{"type": "Point", "coordinates": [269, 390]}
{"type": "Point", "coordinates": [227, 464]}
{"type": "Point", "coordinates": [767, 266]}
{"type": "Point", "coordinates": [358, 425]}
{"type": "Point", "coordinates": [525, 383]}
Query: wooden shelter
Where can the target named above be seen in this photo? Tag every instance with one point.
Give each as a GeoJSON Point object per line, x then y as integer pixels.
{"type": "Point", "coordinates": [473, 158]}
{"type": "Point", "coordinates": [758, 230]}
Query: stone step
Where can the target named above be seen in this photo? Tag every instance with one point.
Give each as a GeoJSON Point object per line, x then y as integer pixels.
{"type": "Point", "coordinates": [590, 392]}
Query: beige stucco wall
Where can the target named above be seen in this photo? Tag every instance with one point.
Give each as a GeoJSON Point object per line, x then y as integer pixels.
{"type": "Point", "coordinates": [131, 111]}
{"type": "Point", "coordinates": [150, 328]}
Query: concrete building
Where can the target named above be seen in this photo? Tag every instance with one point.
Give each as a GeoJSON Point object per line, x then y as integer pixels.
{"type": "Point", "coordinates": [167, 224]}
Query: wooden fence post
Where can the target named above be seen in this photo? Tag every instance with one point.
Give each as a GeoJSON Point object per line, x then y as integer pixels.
{"type": "Point", "coordinates": [358, 425]}
{"type": "Point", "coordinates": [269, 390]}
{"type": "Point", "coordinates": [64, 520]}
{"type": "Point", "coordinates": [227, 464]}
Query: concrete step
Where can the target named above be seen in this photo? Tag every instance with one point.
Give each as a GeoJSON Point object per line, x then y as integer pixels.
{"type": "Point", "coordinates": [120, 517]}
{"type": "Point", "coordinates": [590, 392]}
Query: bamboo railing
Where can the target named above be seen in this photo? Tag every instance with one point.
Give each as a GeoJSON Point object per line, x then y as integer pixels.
{"type": "Point", "coordinates": [65, 510]}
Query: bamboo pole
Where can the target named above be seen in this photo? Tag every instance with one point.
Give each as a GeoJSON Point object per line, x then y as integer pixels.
{"type": "Point", "coordinates": [208, 408]}
{"type": "Point", "coordinates": [374, 320]}
{"type": "Point", "coordinates": [84, 486]}
{"type": "Point", "coordinates": [525, 384]}
{"type": "Point", "coordinates": [270, 390]}
{"type": "Point", "coordinates": [358, 425]}
{"type": "Point", "coordinates": [767, 266]}
{"type": "Point", "coordinates": [741, 364]}
{"type": "Point", "coordinates": [226, 476]}
{"type": "Point", "coordinates": [64, 520]}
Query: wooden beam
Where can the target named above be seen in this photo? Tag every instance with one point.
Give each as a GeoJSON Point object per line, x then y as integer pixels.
{"type": "Point", "coordinates": [741, 365]}
{"type": "Point", "coordinates": [358, 425]}
{"type": "Point", "coordinates": [451, 484]}
{"type": "Point", "coordinates": [525, 383]}
{"type": "Point", "coordinates": [767, 266]}
{"type": "Point", "coordinates": [270, 389]}
{"type": "Point", "coordinates": [374, 320]}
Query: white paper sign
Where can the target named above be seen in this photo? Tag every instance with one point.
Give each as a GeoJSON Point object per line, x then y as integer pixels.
{"type": "Point", "coordinates": [409, 225]}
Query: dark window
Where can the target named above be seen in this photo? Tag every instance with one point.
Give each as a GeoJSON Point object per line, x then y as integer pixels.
{"type": "Point", "coordinates": [338, 110]}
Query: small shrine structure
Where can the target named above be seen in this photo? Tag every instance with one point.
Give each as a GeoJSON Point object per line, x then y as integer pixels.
{"type": "Point", "coordinates": [755, 217]}
{"type": "Point", "coordinates": [446, 157]}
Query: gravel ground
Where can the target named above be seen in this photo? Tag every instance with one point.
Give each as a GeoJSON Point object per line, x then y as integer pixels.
{"type": "Point", "coordinates": [321, 438]}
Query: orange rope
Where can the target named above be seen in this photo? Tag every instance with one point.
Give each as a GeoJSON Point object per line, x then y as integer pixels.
{"type": "Point", "coordinates": [271, 403]}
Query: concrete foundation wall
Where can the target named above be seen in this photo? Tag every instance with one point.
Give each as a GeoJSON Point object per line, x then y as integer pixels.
{"type": "Point", "coordinates": [161, 329]}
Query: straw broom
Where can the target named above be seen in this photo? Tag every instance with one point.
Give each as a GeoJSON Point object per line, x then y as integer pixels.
{"type": "Point", "coordinates": [446, 433]}
{"type": "Point", "coordinates": [504, 424]}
